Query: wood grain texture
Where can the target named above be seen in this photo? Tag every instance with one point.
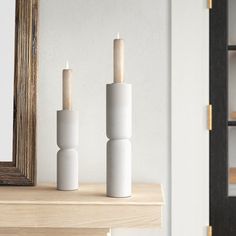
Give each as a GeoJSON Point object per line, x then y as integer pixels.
{"type": "Point", "coordinates": [232, 175]}
{"type": "Point", "coordinates": [22, 169]}
{"type": "Point", "coordinates": [88, 207]}
{"type": "Point", "coordinates": [233, 115]}
{"type": "Point", "coordinates": [145, 194]}
{"type": "Point", "coordinates": [52, 232]}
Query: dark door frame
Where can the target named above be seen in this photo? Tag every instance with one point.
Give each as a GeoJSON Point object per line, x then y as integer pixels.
{"type": "Point", "coordinates": [222, 207]}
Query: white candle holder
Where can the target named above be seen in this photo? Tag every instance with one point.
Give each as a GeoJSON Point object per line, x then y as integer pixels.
{"type": "Point", "coordinates": [119, 131]}
{"type": "Point", "coordinates": [67, 156]}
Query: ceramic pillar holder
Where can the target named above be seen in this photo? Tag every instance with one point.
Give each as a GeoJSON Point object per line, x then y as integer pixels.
{"type": "Point", "coordinates": [67, 156]}
{"type": "Point", "coordinates": [119, 131]}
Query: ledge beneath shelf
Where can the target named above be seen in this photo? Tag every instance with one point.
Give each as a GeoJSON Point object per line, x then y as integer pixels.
{"type": "Point", "coordinates": [44, 207]}
{"type": "Point", "coordinates": [52, 232]}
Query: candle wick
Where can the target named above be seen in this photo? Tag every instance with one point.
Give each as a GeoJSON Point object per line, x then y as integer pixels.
{"type": "Point", "coordinates": [67, 65]}
{"type": "Point", "coordinates": [118, 35]}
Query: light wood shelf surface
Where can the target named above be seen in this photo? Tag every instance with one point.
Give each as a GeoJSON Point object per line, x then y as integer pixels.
{"type": "Point", "coordinates": [52, 232]}
{"type": "Point", "coordinates": [43, 206]}
{"type": "Point", "coordinates": [232, 175]}
{"type": "Point", "coordinates": [144, 194]}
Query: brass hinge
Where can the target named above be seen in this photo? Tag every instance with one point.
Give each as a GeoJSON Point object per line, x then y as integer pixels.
{"type": "Point", "coordinates": [209, 231]}
{"type": "Point", "coordinates": [209, 119]}
{"type": "Point", "coordinates": [209, 4]}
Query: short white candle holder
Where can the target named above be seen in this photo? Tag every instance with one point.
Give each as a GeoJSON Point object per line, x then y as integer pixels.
{"type": "Point", "coordinates": [119, 131]}
{"type": "Point", "coordinates": [67, 156]}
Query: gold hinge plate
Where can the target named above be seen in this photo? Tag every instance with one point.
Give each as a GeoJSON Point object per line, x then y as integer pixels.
{"type": "Point", "coordinates": [209, 231]}
{"type": "Point", "coordinates": [209, 121]}
{"type": "Point", "coordinates": [209, 4]}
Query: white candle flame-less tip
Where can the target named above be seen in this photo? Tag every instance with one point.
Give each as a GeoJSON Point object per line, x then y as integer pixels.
{"type": "Point", "coordinates": [67, 64]}
{"type": "Point", "coordinates": [118, 36]}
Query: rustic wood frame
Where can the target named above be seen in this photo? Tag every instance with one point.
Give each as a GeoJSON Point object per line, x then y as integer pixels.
{"type": "Point", "coordinates": [22, 169]}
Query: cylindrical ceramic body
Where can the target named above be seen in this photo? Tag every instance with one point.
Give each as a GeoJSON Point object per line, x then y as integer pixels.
{"type": "Point", "coordinates": [119, 111]}
{"type": "Point", "coordinates": [67, 169]}
{"type": "Point", "coordinates": [67, 129]}
{"type": "Point", "coordinates": [67, 156]}
{"type": "Point", "coordinates": [119, 181]}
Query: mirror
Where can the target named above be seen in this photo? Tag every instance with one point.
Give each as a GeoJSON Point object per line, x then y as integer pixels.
{"type": "Point", "coordinates": [18, 60]}
{"type": "Point", "coordinates": [7, 46]}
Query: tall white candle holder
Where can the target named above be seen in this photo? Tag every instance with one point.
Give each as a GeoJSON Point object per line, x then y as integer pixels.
{"type": "Point", "coordinates": [67, 156]}
{"type": "Point", "coordinates": [119, 131]}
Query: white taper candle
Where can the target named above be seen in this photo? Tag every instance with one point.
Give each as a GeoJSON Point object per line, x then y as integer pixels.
{"type": "Point", "coordinates": [66, 75]}
{"type": "Point", "coordinates": [118, 60]}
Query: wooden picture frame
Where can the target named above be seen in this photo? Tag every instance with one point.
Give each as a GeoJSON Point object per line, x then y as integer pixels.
{"type": "Point", "coordinates": [22, 169]}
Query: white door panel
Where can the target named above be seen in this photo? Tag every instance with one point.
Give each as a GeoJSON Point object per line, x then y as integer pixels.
{"type": "Point", "coordinates": [190, 137]}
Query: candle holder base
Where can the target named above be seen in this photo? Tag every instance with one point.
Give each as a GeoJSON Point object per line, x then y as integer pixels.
{"type": "Point", "coordinates": [67, 169]}
{"type": "Point", "coordinates": [67, 156]}
{"type": "Point", "coordinates": [119, 168]}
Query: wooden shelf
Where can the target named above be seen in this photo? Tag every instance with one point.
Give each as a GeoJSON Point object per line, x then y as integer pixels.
{"type": "Point", "coordinates": [31, 231]}
{"type": "Point", "coordinates": [232, 175]}
{"type": "Point", "coordinates": [44, 207]}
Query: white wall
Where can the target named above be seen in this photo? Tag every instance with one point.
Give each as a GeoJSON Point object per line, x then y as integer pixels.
{"type": "Point", "coordinates": [82, 32]}
{"type": "Point", "coordinates": [189, 134]}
